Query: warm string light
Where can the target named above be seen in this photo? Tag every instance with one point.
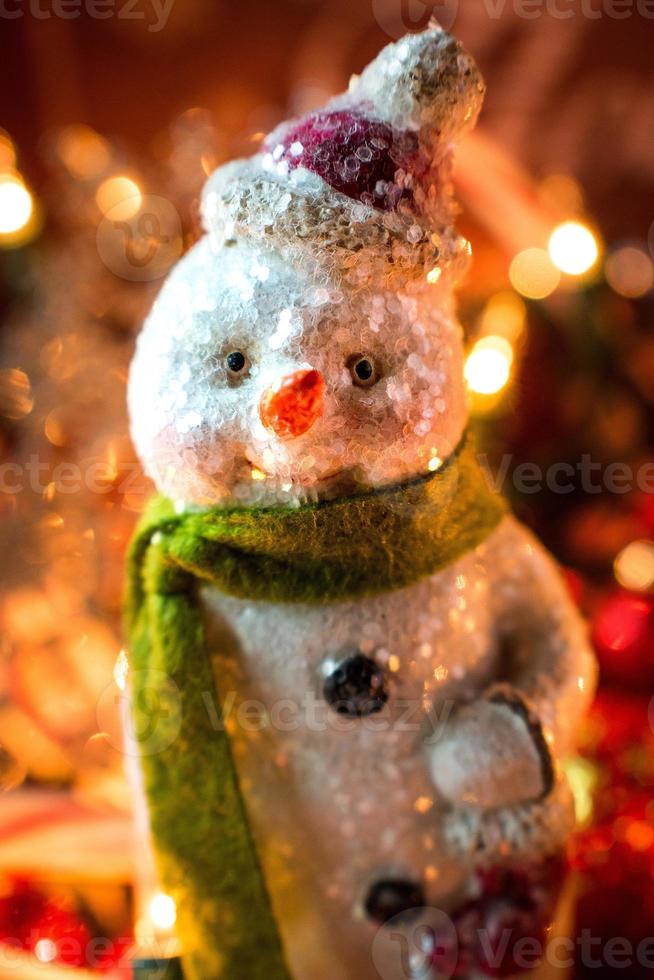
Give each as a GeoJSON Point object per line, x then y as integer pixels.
{"type": "Point", "coordinates": [573, 248]}
{"type": "Point", "coordinates": [533, 274]}
{"type": "Point", "coordinates": [504, 315]}
{"type": "Point", "coordinates": [561, 193]}
{"type": "Point", "coordinates": [582, 777]}
{"type": "Point", "coordinates": [572, 251]}
{"type": "Point", "coordinates": [15, 204]}
{"type": "Point", "coordinates": [17, 210]}
{"type": "Point", "coordinates": [85, 154]}
{"type": "Point", "coordinates": [7, 153]}
{"type": "Point", "coordinates": [629, 271]}
{"type": "Point", "coordinates": [488, 365]}
{"type": "Point", "coordinates": [16, 398]}
{"type": "Point", "coordinates": [634, 566]}
{"type": "Point", "coordinates": [155, 938]}
{"type": "Point", "coordinates": [121, 196]}
{"type": "Point", "coordinates": [162, 912]}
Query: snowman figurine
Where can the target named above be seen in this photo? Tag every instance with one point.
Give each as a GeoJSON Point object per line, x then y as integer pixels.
{"type": "Point", "coordinates": [355, 674]}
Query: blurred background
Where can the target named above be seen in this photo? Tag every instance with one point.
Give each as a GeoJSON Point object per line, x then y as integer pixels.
{"type": "Point", "coordinates": [112, 113]}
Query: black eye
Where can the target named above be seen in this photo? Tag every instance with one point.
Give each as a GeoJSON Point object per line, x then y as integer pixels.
{"type": "Point", "coordinates": [363, 370]}
{"type": "Point", "coordinates": [236, 363]}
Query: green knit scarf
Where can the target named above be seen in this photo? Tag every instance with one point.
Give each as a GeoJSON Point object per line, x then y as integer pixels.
{"type": "Point", "coordinates": [332, 551]}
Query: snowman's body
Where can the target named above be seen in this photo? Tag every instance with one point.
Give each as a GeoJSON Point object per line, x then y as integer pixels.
{"type": "Point", "coordinates": [338, 802]}
{"type": "Point", "coordinates": [307, 348]}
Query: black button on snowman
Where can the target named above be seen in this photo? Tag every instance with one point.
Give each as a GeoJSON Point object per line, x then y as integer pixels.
{"type": "Point", "coordinates": [354, 685]}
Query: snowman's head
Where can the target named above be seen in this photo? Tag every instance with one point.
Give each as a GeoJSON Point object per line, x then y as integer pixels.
{"type": "Point", "coordinates": [307, 344]}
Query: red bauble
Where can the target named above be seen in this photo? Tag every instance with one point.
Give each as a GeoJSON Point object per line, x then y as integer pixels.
{"type": "Point", "coordinates": [623, 634]}
{"type": "Point", "coordinates": [50, 928]}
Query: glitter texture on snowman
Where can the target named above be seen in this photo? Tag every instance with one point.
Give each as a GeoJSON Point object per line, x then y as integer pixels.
{"type": "Point", "coordinates": [307, 348]}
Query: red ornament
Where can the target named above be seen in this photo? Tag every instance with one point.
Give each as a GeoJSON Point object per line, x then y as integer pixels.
{"type": "Point", "coordinates": [47, 927]}
{"type": "Point", "coordinates": [617, 723]}
{"type": "Point", "coordinates": [623, 634]}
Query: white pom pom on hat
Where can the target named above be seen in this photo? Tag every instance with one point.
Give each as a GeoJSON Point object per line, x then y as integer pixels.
{"type": "Point", "coordinates": [425, 82]}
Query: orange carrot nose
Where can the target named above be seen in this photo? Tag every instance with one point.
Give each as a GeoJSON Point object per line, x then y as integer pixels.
{"type": "Point", "coordinates": [291, 408]}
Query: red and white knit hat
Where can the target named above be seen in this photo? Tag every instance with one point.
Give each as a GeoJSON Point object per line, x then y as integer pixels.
{"type": "Point", "coordinates": [362, 186]}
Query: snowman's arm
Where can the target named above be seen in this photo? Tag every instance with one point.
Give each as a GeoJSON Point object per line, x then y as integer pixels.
{"type": "Point", "coordinates": [504, 747]}
{"type": "Point", "coordinates": [546, 656]}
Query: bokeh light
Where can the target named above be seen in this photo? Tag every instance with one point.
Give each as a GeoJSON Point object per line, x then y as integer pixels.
{"type": "Point", "coordinates": [16, 399]}
{"type": "Point", "coordinates": [16, 205]}
{"type": "Point", "coordinates": [121, 195]}
{"type": "Point", "coordinates": [630, 271]}
{"type": "Point", "coordinates": [488, 365]}
{"type": "Point", "coordinates": [621, 623]}
{"type": "Point", "coordinates": [634, 566]}
{"type": "Point", "coordinates": [84, 152]}
{"type": "Point", "coordinates": [561, 192]}
{"type": "Point", "coordinates": [533, 274]}
{"type": "Point", "coordinates": [504, 315]}
{"type": "Point", "coordinates": [7, 152]}
{"type": "Point", "coordinates": [45, 950]}
{"type": "Point", "coordinates": [573, 248]}
{"type": "Point", "coordinates": [582, 777]}
{"type": "Point", "coordinates": [162, 911]}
